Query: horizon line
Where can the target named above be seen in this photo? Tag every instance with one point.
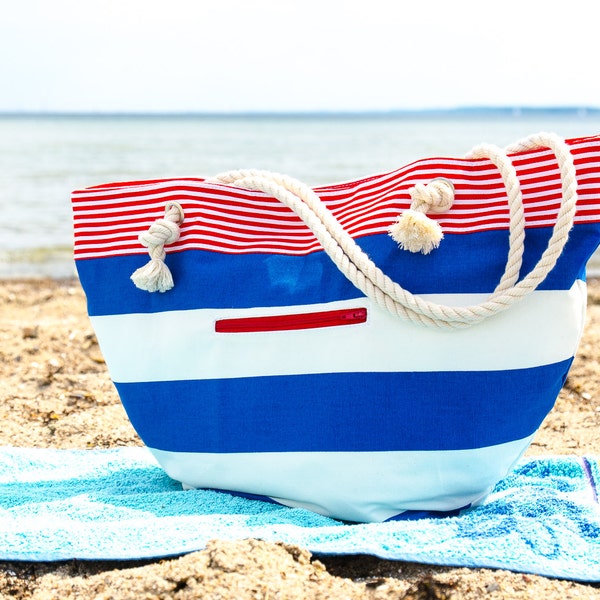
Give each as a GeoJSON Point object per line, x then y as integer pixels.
{"type": "Point", "coordinates": [511, 110]}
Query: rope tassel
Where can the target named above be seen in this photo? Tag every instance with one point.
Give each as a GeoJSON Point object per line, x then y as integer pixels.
{"type": "Point", "coordinates": [155, 276]}
{"type": "Point", "coordinates": [414, 230]}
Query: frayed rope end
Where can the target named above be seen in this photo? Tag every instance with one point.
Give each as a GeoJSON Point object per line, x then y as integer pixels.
{"type": "Point", "coordinates": [416, 232]}
{"type": "Point", "coordinates": [154, 276]}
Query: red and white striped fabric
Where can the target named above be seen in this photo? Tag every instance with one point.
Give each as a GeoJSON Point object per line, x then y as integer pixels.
{"type": "Point", "coordinates": [108, 218]}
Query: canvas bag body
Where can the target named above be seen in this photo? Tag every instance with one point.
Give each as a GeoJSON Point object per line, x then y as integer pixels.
{"type": "Point", "coordinates": [265, 371]}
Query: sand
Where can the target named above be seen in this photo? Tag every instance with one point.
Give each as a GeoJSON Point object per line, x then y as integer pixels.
{"type": "Point", "coordinates": [56, 392]}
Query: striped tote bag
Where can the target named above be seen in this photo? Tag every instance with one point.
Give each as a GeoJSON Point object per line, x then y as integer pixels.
{"type": "Point", "coordinates": [370, 350]}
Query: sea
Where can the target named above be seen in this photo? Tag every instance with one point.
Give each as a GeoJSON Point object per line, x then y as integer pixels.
{"type": "Point", "coordinates": [44, 157]}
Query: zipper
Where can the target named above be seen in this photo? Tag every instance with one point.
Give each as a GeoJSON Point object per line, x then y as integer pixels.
{"type": "Point", "coordinates": [328, 318]}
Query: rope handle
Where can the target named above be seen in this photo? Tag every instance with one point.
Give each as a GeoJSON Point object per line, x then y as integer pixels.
{"type": "Point", "coordinates": [367, 277]}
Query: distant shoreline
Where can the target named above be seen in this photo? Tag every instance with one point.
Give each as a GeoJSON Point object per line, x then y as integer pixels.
{"type": "Point", "coordinates": [459, 112]}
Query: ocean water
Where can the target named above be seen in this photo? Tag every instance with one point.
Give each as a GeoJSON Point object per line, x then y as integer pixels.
{"type": "Point", "coordinates": [43, 158]}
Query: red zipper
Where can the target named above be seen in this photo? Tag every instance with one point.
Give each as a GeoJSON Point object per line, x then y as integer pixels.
{"type": "Point", "coordinates": [328, 318]}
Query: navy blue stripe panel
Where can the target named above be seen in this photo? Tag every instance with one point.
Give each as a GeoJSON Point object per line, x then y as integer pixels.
{"type": "Point", "coordinates": [344, 411]}
{"type": "Point", "coordinates": [470, 263]}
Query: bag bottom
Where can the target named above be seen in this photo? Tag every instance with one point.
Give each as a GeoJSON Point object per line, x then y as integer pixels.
{"type": "Point", "coordinates": [352, 486]}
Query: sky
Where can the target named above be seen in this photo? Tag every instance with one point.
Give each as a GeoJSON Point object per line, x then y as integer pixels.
{"type": "Point", "coordinates": [303, 55]}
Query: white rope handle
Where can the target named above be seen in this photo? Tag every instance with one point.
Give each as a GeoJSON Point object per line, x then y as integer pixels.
{"type": "Point", "coordinates": [367, 277]}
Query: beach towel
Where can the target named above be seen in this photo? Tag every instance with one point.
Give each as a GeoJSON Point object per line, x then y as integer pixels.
{"type": "Point", "coordinates": [365, 349]}
{"type": "Point", "coordinates": [543, 518]}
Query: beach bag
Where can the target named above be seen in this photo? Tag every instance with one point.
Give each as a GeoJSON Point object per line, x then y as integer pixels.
{"type": "Point", "coordinates": [376, 349]}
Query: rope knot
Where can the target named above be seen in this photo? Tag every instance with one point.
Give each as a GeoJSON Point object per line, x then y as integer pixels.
{"type": "Point", "coordinates": [155, 276]}
{"type": "Point", "coordinates": [160, 233]}
{"type": "Point", "coordinates": [414, 230]}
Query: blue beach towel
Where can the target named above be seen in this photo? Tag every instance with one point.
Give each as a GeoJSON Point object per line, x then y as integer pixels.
{"type": "Point", "coordinates": [543, 518]}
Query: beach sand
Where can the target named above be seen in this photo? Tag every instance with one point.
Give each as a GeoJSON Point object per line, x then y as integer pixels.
{"type": "Point", "coordinates": [56, 392]}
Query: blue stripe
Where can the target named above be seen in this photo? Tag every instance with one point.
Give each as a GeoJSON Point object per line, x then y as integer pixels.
{"type": "Point", "coordinates": [470, 263]}
{"type": "Point", "coordinates": [344, 411]}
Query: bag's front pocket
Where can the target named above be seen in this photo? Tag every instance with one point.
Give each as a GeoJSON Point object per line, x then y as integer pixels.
{"type": "Point", "coordinates": [313, 320]}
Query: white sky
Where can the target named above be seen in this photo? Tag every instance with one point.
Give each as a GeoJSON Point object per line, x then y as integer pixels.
{"type": "Point", "coordinates": [238, 55]}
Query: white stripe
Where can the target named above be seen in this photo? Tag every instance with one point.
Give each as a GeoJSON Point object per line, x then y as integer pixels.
{"type": "Point", "coordinates": [180, 345]}
{"type": "Point", "coordinates": [357, 486]}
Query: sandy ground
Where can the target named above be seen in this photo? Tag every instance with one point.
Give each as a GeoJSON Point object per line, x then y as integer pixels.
{"type": "Point", "coordinates": [55, 392]}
